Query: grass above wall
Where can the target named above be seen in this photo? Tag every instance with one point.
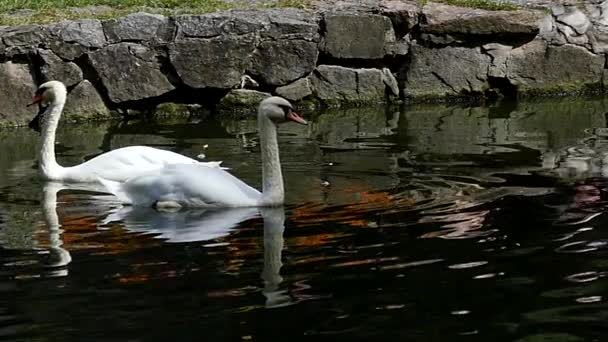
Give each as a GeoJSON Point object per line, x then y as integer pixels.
{"type": "Point", "coordinates": [18, 12]}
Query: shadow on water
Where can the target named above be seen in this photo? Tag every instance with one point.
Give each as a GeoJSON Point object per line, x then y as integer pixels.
{"type": "Point", "coordinates": [426, 223]}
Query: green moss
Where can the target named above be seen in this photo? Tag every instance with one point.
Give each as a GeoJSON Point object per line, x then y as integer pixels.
{"type": "Point", "coordinates": [175, 110]}
{"type": "Point", "coordinates": [19, 12]}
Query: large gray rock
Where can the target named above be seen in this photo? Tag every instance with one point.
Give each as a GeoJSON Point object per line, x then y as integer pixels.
{"type": "Point", "coordinates": [25, 35]}
{"type": "Point", "coordinates": [446, 19]}
{"type": "Point", "coordinates": [22, 39]}
{"type": "Point", "coordinates": [139, 27]}
{"type": "Point", "coordinates": [84, 102]}
{"type": "Point", "coordinates": [54, 68]}
{"type": "Point", "coordinates": [296, 90]}
{"type": "Point", "coordinates": [278, 62]}
{"type": "Point", "coordinates": [86, 32]}
{"type": "Point", "coordinates": [432, 72]}
{"type": "Point", "coordinates": [278, 23]}
{"type": "Point", "coordinates": [71, 39]}
{"type": "Point", "coordinates": [213, 25]}
{"type": "Point", "coordinates": [334, 84]}
{"type": "Point", "coordinates": [357, 35]}
{"type": "Point", "coordinates": [575, 19]}
{"type": "Point", "coordinates": [17, 81]}
{"type": "Point", "coordinates": [129, 72]}
{"type": "Point", "coordinates": [404, 14]}
{"type": "Point", "coordinates": [538, 67]}
{"type": "Point", "coordinates": [211, 63]}
{"type": "Point", "coordinates": [278, 46]}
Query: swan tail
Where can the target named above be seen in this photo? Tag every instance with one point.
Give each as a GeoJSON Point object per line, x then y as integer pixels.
{"type": "Point", "coordinates": [215, 164]}
{"type": "Point", "coordinates": [115, 188]}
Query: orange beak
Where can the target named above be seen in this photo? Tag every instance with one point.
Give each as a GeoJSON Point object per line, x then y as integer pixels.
{"type": "Point", "coordinates": [35, 99]}
{"type": "Point", "coordinates": [295, 117]}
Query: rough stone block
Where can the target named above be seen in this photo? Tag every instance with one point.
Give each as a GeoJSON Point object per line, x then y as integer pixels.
{"type": "Point", "coordinates": [54, 68]}
{"type": "Point", "coordinates": [129, 72]}
{"type": "Point", "coordinates": [296, 90]}
{"type": "Point", "coordinates": [85, 32]}
{"type": "Point", "coordinates": [404, 14]}
{"type": "Point", "coordinates": [433, 72]}
{"type": "Point", "coordinates": [211, 63]}
{"type": "Point", "coordinates": [446, 19]}
{"type": "Point", "coordinates": [278, 62]}
{"type": "Point", "coordinates": [139, 27]}
{"type": "Point", "coordinates": [357, 36]}
{"type": "Point", "coordinates": [536, 66]}
{"type": "Point", "coordinates": [18, 82]}
{"type": "Point", "coordinates": [84, 102]}
{"type": "Point", "coordinates": [334, 84]}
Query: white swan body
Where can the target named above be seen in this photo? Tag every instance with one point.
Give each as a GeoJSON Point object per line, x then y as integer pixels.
{"type": "Point", "coordinates": [198, 186]}
{"type": "Point", "coordinates": [116, 165]}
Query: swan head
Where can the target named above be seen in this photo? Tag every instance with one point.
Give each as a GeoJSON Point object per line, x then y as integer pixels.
{"type": "Point", "coordinates": [279, 110]}
{"type": "Point", "coordinates": [48, 92]}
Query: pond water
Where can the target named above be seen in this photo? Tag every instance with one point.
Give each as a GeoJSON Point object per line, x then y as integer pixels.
{"type": "Point", "coordinates": [422, 223]}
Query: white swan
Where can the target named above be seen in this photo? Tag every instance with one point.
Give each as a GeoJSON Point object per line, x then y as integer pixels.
{"type": "Point", "coordinates": [197, 186]}
{"type": "Point", "coordinates": [117, 165]}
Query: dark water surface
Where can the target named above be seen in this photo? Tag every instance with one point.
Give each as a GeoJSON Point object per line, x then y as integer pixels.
{"type": "Point", "coordinates": [425, 223]}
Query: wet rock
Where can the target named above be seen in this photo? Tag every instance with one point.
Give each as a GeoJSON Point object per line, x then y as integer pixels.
{"type": "Point", "coordinates": [333, 84]}
{"type": "Point", "coordinates": [356, 36]}
{"type": "Point", "coordinates": [139, 27]}
{"type": "Point", "coordinates": [296, 90]}
{"type": "Point", "coordinates": [211, 63]}
{"type": "Point", "coordinates": [432, 73]}
{"type": "Point", "coordinates": [54, 68]}
{"type": "Point", "coordinates": [446, 19]}
{"type": "Point", "coordinates": [129, 72]}
{"type": "Point", "coordinates": [404, 14]}
{"type": "Point", "coordinates": [237, 99]}
{"type": "Point", "coordinates": [84, 102]}
{"type": "Point", "coordinates": [17, 81]}
{"type": "Point", "coordinates": [536, 66]}
{"type": "Point", "coordinates": [278, 62]}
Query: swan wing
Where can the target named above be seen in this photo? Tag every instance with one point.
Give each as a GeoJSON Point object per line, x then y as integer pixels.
{"type": "Point", "coordinates": [190, 185]}
{"type": "Point", "coordinates": [120, 164]}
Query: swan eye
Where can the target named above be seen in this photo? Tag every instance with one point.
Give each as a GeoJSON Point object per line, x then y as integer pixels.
{"type": "Point", "coordinates": [286, 110]}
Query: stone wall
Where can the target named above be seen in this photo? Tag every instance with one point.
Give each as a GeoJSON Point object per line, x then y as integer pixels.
{"type": "Point", "coordinates": [339, 52]}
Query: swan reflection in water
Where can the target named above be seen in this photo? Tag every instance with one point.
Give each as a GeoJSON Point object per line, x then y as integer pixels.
{"type": "Point", "coordinates": [198, 225]}
{"type": "Point", "coordinates": [58, 257]}
{"type": "Point", "coordinates": [191, 225]}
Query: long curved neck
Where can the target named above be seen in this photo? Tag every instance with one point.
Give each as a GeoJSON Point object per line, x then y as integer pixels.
{"type": "Point", "coordinates": [48, 164]}
{"type": "Point", "coordinates": [273, 192]}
